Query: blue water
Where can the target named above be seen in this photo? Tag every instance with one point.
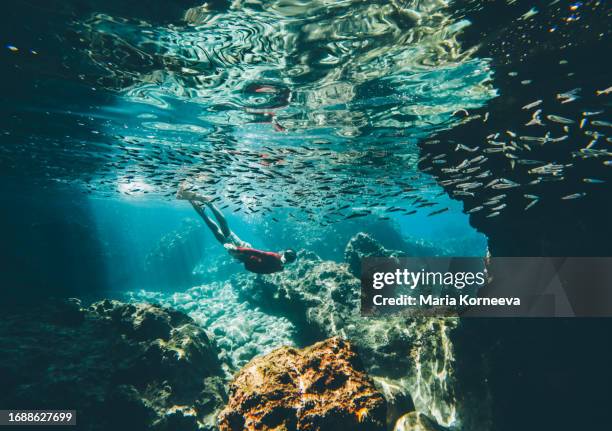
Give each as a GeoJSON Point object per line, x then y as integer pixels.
{"type": "Point", "coordinates": [305, 122]}
{"type": "Point", "coordinates": [454, 128]}
{"type": "Point", "coordinates": [132, 227]}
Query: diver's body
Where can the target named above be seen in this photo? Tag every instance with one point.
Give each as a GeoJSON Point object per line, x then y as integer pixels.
{"type": "Point", "coordinates": [257, 261]}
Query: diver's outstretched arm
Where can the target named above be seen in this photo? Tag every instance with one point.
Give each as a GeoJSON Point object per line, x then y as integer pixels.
{"type": "Point", "coordinates": [214, 228]}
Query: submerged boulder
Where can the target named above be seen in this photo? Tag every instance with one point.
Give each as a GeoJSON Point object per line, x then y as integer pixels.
{"type": "Point", "coordinates": [241, 331]}
{"type": "Point", "coordinates": [121, 366]}
{"type": "Point", "coordinates": [322, 387]}
{"type": "Point", "coordinates": [315, 294]}
{"type": "Point", "coordinates": [363, 245]}
{"type": "Point", "coordinates": [412, 360]}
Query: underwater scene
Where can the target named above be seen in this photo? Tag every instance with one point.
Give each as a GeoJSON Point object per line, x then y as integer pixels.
{"type": "Point", "coordinates": [188, 190]}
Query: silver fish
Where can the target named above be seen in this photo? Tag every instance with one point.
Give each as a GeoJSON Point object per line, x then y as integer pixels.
{"type": "Point", "coordinates": [573, 196]}
{"type": "Point", "coordinates": [463, 193]}
{"type": "Point", "coordinates": [592, 143]}
{"type": "Point", "coordinates": [532, 105]}
{"type": "Point", "coordinates": [532, 203]}
{"type": "Point", "coordinates": [478, 159]}
{"type": "Point", "coordinates": [464, 164]}
{"type": "Point", "coordinates": [535, 119]}
{"type": "Point", "coordinates": [528, 162]}
{"type": "Point", "coordinates": [505, 184]}
{"type": "Point", "coordinates": [559, 139]}
{"type": "Point", "coordinates": [468, 186]}
{"type": "Point", "coordinates": [591, 113]}
{"type": "Point", "coordinates": [559, 119]}
{"type": "Point", "coordinates": [568, 96]}
{"type": "Point", "coordinates": [548, 169]}
{"type": "Point", "coordinates": [534, 138]}
{"type": "Point", "coordinates": [466, 148]}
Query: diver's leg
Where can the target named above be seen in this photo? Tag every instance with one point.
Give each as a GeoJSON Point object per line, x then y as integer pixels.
{"type": "Point", "coordinates": [229, 234]}
{"type": "Point", "coordinates": [214, 228]}
{"type": "Point", "coordinates": [220, 218]}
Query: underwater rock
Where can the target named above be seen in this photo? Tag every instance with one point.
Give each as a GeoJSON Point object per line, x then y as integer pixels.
{"type": "Point", "coordinates": [322, 298]}
{"type": "Point", "coordinates": [363, 245]}
{"type": "Point", "coordinates": [240, 332]}
{"type": "Point", "coordinates": [316, 295]}
{"type": "Point", "coordinates": [412, 360]}
{"type": "Point", "coordinates": [121, 366]}
{"type": "Point", "coordinates": [321, 387]}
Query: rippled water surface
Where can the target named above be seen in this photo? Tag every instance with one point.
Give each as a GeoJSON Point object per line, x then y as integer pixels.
{"type": "Point", "coordinates": [324, 107]}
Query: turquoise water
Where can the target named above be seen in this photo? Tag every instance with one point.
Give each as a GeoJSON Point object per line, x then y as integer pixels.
{"type": "Point", "coordinates": [438, 128]}
{"type": "Point", "coordinates": [297, 115]}
{"type": "Point", "coordinates": [145, 105]}
{"type": "Point", "coordinates": [318, 112]}
{"type": "Point", "coordinates": [143, 222]}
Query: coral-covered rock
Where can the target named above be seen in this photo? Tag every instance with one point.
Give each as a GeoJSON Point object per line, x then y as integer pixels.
{"type": "Point", "coordinates": [316, 295]}
{"type": "Point", "coordinates": [241, 331]}
{"type": "Point", "coordinates": [321, 387]}
{"type": "Point", "coordinates": [363, 245]}
{"type": "Point", "coordinates": [412, 360]}
{"type": "Point", "coordinates": [121, 366]}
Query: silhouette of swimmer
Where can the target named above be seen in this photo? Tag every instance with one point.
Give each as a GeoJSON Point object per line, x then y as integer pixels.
{"type": "Point", "coordinates": [257, 261]}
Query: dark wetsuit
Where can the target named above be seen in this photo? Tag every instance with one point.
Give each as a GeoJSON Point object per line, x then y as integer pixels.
{"type": "Point", "coordinates": [260, 262]}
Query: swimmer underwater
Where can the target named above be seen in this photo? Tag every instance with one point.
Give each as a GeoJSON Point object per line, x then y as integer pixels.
{"type": "Point", "coordinates": [257, 261]}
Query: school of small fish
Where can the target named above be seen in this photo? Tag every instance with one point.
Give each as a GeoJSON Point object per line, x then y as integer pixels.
{"type": "Point", "coordinates": [325, 152]}
{"type": "Point", "coordinates": [518, 159]}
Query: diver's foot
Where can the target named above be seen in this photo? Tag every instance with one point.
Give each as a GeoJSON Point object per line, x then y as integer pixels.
{"type": "Point", "coordinates": [183, 192]}
{"type": "Point", "coordinates": [189, 195]}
